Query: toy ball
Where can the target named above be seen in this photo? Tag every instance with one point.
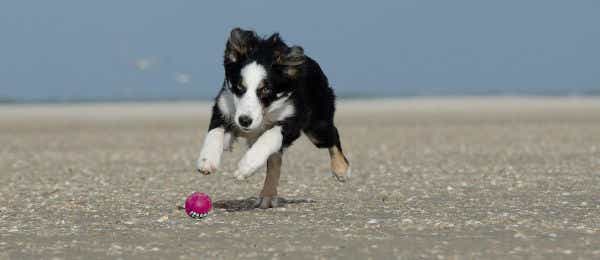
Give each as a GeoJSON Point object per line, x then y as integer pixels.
{"type": "Point", "coordinates": [197, 205]}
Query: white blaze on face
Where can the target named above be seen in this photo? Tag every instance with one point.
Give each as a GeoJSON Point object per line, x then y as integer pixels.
{"type": "Point", "coordinates": [249, 103]}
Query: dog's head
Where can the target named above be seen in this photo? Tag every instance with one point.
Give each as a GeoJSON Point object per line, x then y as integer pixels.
{"type": "Point", "coordinates": [259, 72]}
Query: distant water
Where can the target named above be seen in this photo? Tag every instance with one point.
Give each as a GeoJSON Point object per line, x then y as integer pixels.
{"type": "Point", "coordinates": [405, 93]}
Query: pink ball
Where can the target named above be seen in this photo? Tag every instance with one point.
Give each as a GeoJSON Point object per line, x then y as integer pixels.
{"type": "Point", "coordinates": [197, 205]}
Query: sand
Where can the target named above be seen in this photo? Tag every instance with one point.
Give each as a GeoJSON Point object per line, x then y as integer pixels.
{"type": "Point", "coordinates": [441, 178]}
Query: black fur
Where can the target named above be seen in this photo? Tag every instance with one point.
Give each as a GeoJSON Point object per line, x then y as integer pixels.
{"type": "Point", "coordinates": [289, 72]}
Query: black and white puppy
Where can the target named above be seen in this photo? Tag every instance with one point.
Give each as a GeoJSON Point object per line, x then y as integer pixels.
{"type": "Point", "coordinates": [271, 94]}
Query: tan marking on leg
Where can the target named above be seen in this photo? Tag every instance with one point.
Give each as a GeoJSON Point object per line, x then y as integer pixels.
{"type": "Point", "coordinates": [339, 165]}
{"type": "Point", "coordinates": [269, 191]}
{"type": "Point", "coordinates": [268, 195]}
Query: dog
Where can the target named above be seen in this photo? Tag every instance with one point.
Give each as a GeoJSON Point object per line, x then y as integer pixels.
{"type": "Point", "coordinates": [271, 94]}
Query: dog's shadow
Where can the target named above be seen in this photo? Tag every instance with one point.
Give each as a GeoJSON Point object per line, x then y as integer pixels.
{"type": "Point", "coordinates": [250, 203]}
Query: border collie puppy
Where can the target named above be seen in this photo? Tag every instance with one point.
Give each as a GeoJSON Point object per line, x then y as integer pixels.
{"type": "Point", "coordinates": [271, 94]}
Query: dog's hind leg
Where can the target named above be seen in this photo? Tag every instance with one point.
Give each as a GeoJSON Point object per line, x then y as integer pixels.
{"type": "Point", "coordinates": [268, 195]}
{"type": "Point", "coordinates": [325, 135]}
{"type": "Point", "coordinates": [340, 167]}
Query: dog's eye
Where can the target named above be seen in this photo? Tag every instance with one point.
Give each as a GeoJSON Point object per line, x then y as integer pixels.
{"type": "Point", "coordinates": [241, 86]}
{"type": "Point", "coordinates": [264, 92]}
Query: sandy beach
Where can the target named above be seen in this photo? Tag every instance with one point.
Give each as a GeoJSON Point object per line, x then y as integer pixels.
{"type": "Point", "coordinates": [433, 178]}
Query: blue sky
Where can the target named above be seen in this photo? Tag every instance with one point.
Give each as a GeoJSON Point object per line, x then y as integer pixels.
{"type": "Point", "coordinates": [173, 49]}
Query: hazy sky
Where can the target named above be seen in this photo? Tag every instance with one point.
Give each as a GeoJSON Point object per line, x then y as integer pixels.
{"type": "Point", "coordinates": [173, 49]}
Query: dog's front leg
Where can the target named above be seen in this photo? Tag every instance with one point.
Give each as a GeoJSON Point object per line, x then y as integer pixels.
{"type": "Point", "coordinates": [210, 155]}
{"type": "Point", "coordinates": [268, 195]}
{"type": "Point", "coordinates": [268, 143]}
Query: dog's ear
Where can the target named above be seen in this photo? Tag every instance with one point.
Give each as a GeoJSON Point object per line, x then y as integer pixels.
{"type": "Point", "coordinates": [291, 59]}
{"type": "Point", "coordinates": [276, 41]}
{"type": "Point", "coordinates": [239, 44]}
{"type": "Point", "coordinates": [294, 56]}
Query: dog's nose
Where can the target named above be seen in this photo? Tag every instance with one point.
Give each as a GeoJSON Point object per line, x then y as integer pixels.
{"type": "Point", "coordinates": [245, 120]}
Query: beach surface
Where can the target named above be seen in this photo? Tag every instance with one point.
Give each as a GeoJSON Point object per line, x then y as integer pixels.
{"type": "Point", "coordinates": [433, 178]}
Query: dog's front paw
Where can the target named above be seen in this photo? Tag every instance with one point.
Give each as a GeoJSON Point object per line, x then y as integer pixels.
{"type": "Point", "coordinates": [245, 169]}
{"type": "Point", "coordinates": [206, 166]}
{"type": "Point", "coordinates": [242, 174]}
{"type": "Point", "coordinates": [267, 202]}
